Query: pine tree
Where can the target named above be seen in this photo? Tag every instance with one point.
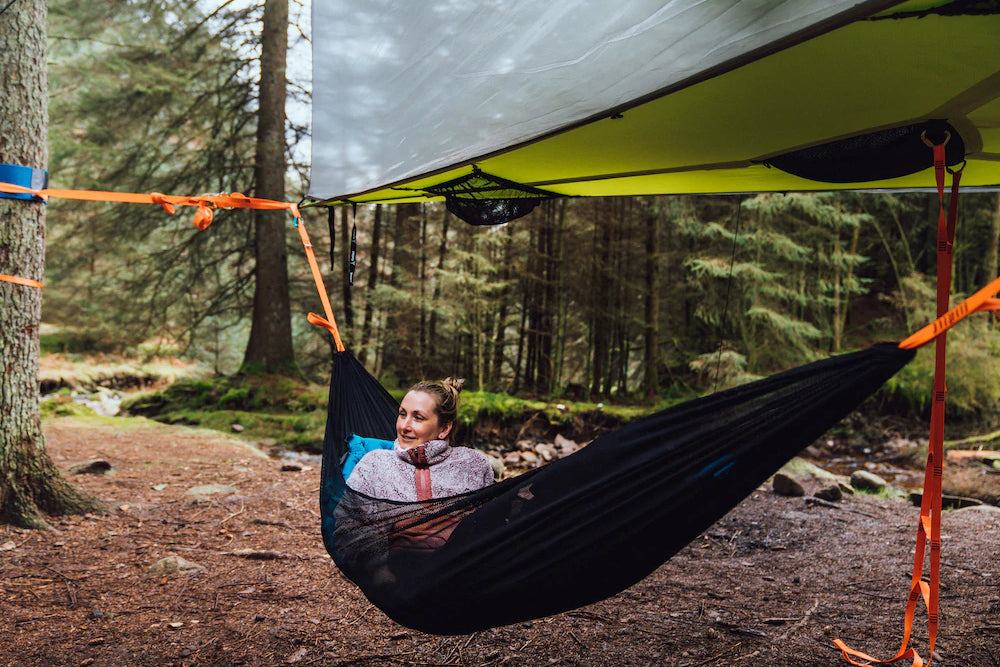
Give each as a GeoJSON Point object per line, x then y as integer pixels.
{"type": "Point", "coordinates": [29, 483]}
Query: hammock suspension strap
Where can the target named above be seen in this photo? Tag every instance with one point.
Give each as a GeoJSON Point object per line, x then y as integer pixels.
{"type": "Point", "coordinates": [929, 524]}
{"type": "Point", "coordinates": [206, 206]}
{"type": "Point", "coordinates": [329, 322]}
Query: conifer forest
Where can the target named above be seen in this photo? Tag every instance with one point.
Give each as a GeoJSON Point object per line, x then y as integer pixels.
{"type": "Point", "coordinates": [630, 297]}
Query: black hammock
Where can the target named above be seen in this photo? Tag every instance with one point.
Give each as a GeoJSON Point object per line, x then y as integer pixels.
{"type": "Point", "coordinates": [586, 526]}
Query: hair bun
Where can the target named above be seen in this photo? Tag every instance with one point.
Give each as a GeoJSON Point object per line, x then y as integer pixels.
{"type": "Point", "coordinates": [453, 385]}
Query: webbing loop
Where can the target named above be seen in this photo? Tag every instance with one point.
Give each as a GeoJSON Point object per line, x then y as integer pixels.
{"type": "Point", "coordinates": [329, 322]}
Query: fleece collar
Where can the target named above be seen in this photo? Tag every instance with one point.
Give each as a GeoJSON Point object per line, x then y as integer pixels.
{"type": "Point", "coordinates": [427, 454]}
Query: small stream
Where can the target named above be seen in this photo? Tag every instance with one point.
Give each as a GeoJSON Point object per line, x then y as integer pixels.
{"type": "Point", "coordinates": [105, 402]}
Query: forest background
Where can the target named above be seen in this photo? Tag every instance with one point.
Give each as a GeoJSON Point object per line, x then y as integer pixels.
{"type": "Point", "coordinates": [620, 299]}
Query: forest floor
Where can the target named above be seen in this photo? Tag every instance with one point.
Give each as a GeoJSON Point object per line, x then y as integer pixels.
{"type": "Point", "coordinates": [772, 583]}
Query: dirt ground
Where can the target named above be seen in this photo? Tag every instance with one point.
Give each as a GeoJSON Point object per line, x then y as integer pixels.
{"type": "Point", "coordinates": [772, 583]}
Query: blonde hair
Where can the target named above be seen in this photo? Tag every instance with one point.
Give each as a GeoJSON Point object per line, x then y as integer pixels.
{"type": "Point", "coordinates": [445, 394]}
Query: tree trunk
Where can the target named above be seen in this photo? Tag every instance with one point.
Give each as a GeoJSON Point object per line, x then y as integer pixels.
{"type": "Point", "coordinates": [651, 328]}
{"type": "Point", "coordinates": [29, 482]}
{"type": "Point", "coordinates": [366, 326]}
{"type": "Point", "coordinates": [432, 328]}
{"type": "Point", "coordinates": [422, 287]}
{"type": "Point", "coordinates": [346, 242]}
{"type": "Point", "coordinates": [602, 304]}
{"type": "Point", "coordinates": [559, 303]}
{"type": "Point", "coordinates": [270, 346]}
{"type": "Point", "coordinates": [991, 259]}
{"type": "Point", "coordinates": [402, 332]}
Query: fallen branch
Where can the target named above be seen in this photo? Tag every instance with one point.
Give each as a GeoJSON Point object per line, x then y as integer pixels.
{"type": "Point", "coordinates": [974, 440]}
{"type": "Point", "coordinates": [237, 513]}
{"type": "Point", "coordinates": [802, 621]}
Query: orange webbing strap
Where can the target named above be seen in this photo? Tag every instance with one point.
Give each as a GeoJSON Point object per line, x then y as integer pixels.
{"type": "Point", "coordinates": [202, 219]}
{"type": "Point", "coordinates": [929, 525]}
{"type": "Point", "coordinates": [204, 203]}
{"type": "Point", "coordinates": [18, 280]}
{"type": "Point", "coordinates": [979, 302]}
{"type": "Point", "coordinates": [329, 323]}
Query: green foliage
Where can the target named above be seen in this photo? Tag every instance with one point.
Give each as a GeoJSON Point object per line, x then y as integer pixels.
{"type": "Point", "coordinates": [268, 407]}
{"type": "Point", "coordinates": [235, 399]}
{"type": "Point", "coordinates": [721, 370]}
{"type": "Point", "coordinates": [779, 288]}
{"type": "Point", "coordinates": [78, 370]}
{"type": "Point", "coordinates": [973, 348]}
{"type": "Point", "coordinates": [479, 405]}
{"type": "Point", "coordinates": [296, 431]}
{"type": "Point", "coordinates": [73, 342]}
{"type": "Point", "coordinates": [150, 97]}
{"type": "Point", "coordinates": [64, 406]}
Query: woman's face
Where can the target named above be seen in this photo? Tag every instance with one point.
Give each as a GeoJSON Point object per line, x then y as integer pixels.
{"type": "Point", "coordinates": [418, 421]}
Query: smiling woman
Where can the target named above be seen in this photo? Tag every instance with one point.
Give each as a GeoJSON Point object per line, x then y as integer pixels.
{"type": "Point", "coordinates": [422, 464]}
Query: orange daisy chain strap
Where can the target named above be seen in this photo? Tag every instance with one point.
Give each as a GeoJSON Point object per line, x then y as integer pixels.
{"type": "Point", "coordinates": [929, 525]}
{"type": "Point", "coordinates": [206, 204]}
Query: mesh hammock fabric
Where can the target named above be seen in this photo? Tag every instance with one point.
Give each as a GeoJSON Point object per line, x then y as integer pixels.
{"type": "Point", "coordinates": [586, 526]}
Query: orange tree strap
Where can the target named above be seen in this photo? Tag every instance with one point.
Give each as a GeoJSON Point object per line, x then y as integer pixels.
{"type": "Point", "coordinates": [929, 525]}
{"type": "Point", "coordinates": [17, 280]}
{"type": "Point", "coordinates": [978, 302]}
{"type": "Point", "coordinates": [205, 204]}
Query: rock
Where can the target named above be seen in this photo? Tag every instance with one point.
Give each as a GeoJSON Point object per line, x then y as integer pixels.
{"type": "Point", "coordinates": [210, 489]}
{"type": "Point", "coordinates": [512, 458]}
{"type": "Point", "coordinates": [93, 467]}
{"type": "Point", "coordinates": [547, 452]}
{"type": "Point", "coordinates": [846, 488]}
{"type": "Point", "coordinates": [499, 469]}
{"type": "Point", "coordinates": [862, 480]}
{"type": "Point", "coordinates": [237, 428]}
{"type": "Point", "coordinates": [529, 458]}
{"type": "Point", "coordinates": [947, 502]}
{"type": "Point", "coordinates": [8, 546]}
{"type": "Point", "coordinates": [813, 452]}
{"type": "Point", "coordinates": [830, 493]}
{"type": "Point", "coordinates": [565, 445]}
{"type": "Point", "coordinates": [787, 486]}
{"type": "Point", "coordinates": [172, 565]}
{"type": "Point", "coordinates": [800, 468]}
{"type": "Point", "coordinates": [291, 466]}
{"type": "Point", "coordinates": [986, 509]}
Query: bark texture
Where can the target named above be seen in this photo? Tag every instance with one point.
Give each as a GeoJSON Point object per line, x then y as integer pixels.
{"type": "Point", "coordinates": [29, 483]}
{"type": "Point", "coordinates": [270, 346]}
